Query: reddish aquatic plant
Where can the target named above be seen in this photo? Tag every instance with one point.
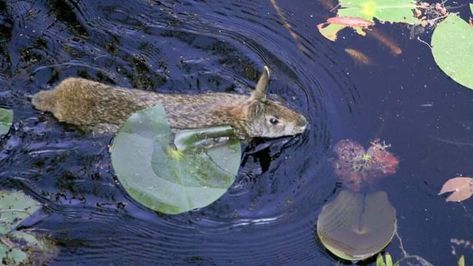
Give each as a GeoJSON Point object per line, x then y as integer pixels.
{"type": "Point", "coordinates": [356, 166]}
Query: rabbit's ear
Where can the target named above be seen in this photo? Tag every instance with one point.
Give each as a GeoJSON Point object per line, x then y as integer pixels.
{"type": "Point", "coordinates": [256, 109]}
{"type": "Point", "coordinates": [261, 89]}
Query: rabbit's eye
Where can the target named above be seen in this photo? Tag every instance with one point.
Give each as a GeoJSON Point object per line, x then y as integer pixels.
{"type": "Point", "coordinates": [273, 121]}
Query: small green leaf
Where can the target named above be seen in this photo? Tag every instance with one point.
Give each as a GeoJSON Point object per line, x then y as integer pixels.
{"type": "Point", "coordinates": [452, 48]}
{"type": "Point", "coordinates": [6, 119]}
{"type": "Point", "coordinates": [17, 256]}
{"type": "Point", "coordinates": [12, 255]}
{"type": "Point", "coordinates": [389, 259]}
{"type": "Point", "coordinates": [461, 261]}
{"type": "Point", "coordinates": [380, 260]}
{"type": "Point", "coordinates": [15, 206]}
{"type": "Point", "coordinates": [471, 8]}
{"type": "Point", "coordinates": [330, 31]}
{"type": "Point", "coordinates": [167, 179]}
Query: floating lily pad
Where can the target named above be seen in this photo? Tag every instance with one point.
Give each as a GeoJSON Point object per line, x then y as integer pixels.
{"type": "Point", "coordinates": [15, 206]}
{"type": "Point", "coordinates": [17, 247]}
{"type": "Point", "coordinates": [26, 249]}
{"type": "Point", "coordinates": [11, 255]}
{"type": "Point", "coordinates": [452, 47]}
{"type": "Point", "coordinates": [167, 179]}
{"type": "Point", "coordinates": [383, 10]}
{"type": "Point", "coordinates": [6, 119]}
{"type": "Point", "coordinates": [355, 227]}
{"type": "Point", "coordinates": [329, 30]}
{"type": "Point", "coordinates": [360, 14]}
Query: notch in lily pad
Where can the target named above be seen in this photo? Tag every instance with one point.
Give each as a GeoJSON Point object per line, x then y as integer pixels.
{"type": "Point", "coordinates": [355, 226]}
{"type": "Point", "coordinates": [168, 179]}
{"type": "Point", "coordinates": [6, 120]}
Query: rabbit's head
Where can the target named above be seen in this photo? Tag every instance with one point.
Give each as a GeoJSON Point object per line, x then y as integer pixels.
{"type": "Point", "coordinates": [268, 118]}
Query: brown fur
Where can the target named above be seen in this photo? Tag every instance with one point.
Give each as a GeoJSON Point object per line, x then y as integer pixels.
{"type": "Point", "coordinates": [90, 104]}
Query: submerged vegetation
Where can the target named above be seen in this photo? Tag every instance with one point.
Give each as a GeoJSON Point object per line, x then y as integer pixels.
{"type": "Point", "coordinates": [357, 167]}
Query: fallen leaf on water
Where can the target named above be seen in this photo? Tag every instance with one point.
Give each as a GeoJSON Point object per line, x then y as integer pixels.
{"type": "Point", "coordinates": [462, 188]}
{"type": "Point", "coordinates": [333, 25]}
{"type": "Point", "coordinates": [359, 56]}
{"type": "Point", "coordinates": [350, 21]}
{"type": "Point", "coordinates": [330, 31]}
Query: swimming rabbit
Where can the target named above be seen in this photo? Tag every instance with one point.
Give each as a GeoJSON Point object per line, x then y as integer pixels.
{"type": "Point", "coordinates": [104, 108]}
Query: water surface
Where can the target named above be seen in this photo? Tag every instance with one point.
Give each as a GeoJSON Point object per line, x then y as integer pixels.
{"type": "Point", "coordinates": [269, 214]}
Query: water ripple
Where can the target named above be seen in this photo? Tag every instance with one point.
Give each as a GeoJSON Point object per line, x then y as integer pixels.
{"type": "Point", "coordinates": [266, 217]}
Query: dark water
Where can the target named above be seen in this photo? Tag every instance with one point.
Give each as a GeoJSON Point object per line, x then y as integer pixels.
{"type": "Point", "coordinates": [268, 215]}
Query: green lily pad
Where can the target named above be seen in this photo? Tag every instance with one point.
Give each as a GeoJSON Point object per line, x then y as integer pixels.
{"type": "Point", "coordinates": [452, 47]}
{"type": "Point", "coordinates": [360, 14]}
{"type": "Point", "coordinates": [12, 255]}
{"type": "Point", "coordinates": [25, 248]}
{"type": "Point", "coordinates": [383, 10]}
{"type": "Point", "coordinates": [164, 178]}
{"type": "Point", "coordinates": [15, 206]}
{"type": "Point", "coordinates": [6, 119]}
{"type": "Point", "coordinates": [355, 227]}
{"type": "Point", "coordinates": [330, 31]}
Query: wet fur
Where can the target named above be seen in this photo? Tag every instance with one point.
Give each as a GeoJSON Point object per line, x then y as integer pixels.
{"type": "Point", "coordinates": [93, 105]}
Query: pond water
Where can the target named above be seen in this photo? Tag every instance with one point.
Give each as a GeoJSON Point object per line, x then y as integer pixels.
{"type": "Point", "coordinates": [268, 216]}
